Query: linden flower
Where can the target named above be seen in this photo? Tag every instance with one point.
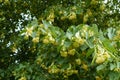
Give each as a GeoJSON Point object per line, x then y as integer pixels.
{"type": "Point", "coordinates": [74, 8]}
{"type": "Point", "coordinates": [80, 41]}
{"type": "Point", "coordinates": [52, 70]}
{"type": "Point", "coordinates": [63, 53]}
{"type": "Point", "coordinates": [85, 28]}
{"type": "Point", "coordinates": [51, 39]}
{"type": "Point", "coordinates": [63, 18]}
{"type": "Point", "coordinates": [75, 71]}
{"type": "Point", "coordinates": [22, 78]}
{"type": "Point", "coordinates": [97, 78]}
{"type": "Point", "coordinates": [71, 52]}
{"type": "Point", "coordinates": [94, 2]}
{"type": "Point", "coordinates": [106, 55]}
{"type": "Point", "coordinates": [61, 12]}
{"type": "Point", "coordinates": [102, 7]}
{"type": "Point", "coordinates": [78, 38]}
{"type": "Point", "coordinates": [51, 17]}
{"type": "Point", "coordinates": [78, 61]}
{"type": "Point", "coordinates": [35, 40]}
{"type": "Point", "coordinates": [85, 67]}
{"type": "Point", "coordinates": [83, 34]}
{"type": "Point", "coordinates": [62, 42]}
{"type": "Point", "coordinates": [91, 33]}
{"type": "Point", "coordinates": [100, 59]}
{"type": "Point", "coordinates": [6, 1]}
{"type": "Point", "coordinates": [29, 31]}
{"type": "Point", "coordinates": [45, 41]}
{"type": "Point", "coordinates": [89, 12]}
{"type": "Point", "coordinates": [117, 69]}
{"type": "Point", "coordinates": [118, 32]}
{"type": "Point", "coordinates": [39, 60]}
{"type": "Point", "coordinates": [85, 18]}
{"type": "Point", "coordinates": [41, 25]}
{"type": "Point", "coordinates": [76, 44]}
{"type": "Point", "coordinates": [69, 72]}
{"type": "Point", "coordinates": [72, 16]}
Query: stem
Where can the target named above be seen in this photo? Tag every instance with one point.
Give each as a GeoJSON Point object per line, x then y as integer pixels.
{"type": "Point", "coordinates": [94, 56]}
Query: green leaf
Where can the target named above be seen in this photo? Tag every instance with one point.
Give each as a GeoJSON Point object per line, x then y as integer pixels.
{"type": "Point", "coordinates": [65, 66]}
{"type": "Point", "coordinates": [90, 42]}
{"type": "Point", "coordinates": [90, 52]}
{"type": "Point", "coordinates": [72, 30]}
{"type": "Point", "coordinates": [111, 32]}
{"type": "Point", "coordinates": [118, 65]}
{"type": "Point", "coordinates": [33, 34]}
{"type": "Point", "coordinates": [107, 44]}
{"type": "Point", "coordinates": [100, 35]}
{"type": "Point", "coordinates": [34, 22]}
{"type": "Point", "coordinates": [67, 43]}
{"type": "Point", "coordinates": [2, 74]}
{"type": "Point", "coordinates": [46, 24]}
{"type": "Point", "coordinates": [114, 76]}
{"type": "Point", "coordinates": [112, 66]}
{"type": "Point", "coordinates": [83, 47]}
{"type": "Point", "coordinates": [101, 67]}
{"type": "Point", "coordinates": [69, 35]}
{"type": "Point", "coordinates": [94, 28]}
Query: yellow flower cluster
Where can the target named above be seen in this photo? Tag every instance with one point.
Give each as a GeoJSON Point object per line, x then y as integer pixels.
{"type": "Point", "coordinates": [85, 67]}
{"type": "Point", "coordinates": [77, 40]}
{"type": "Point", "coordinates": [29, 31]}
{"type": "Point", "coordinates": [22, 78]}
{"type": "Point", "coordinates": [72, 16]}
{"type": "Point", "coordinates": [53, 69]}
{"type": "Point", "coordinates": [66, 53]}
{"type": "Point", "coordinates": [35, 40]}
{"type": "Point", "coordinates": [49, 39]}
{"type": "Point", "coordinates": [102, 56]}
{"type": "Point", "coordinates": [102, 7]}
{"type": "Point", "coordinates": [78, 61]}
{"type": "Point", "coordinates": [39, 60]}
{"type": "Point", "coordinates": [71, 52]}
{"type": "Point", "coordinates": [70, 72]}
{"type": "Point", "coordinates": [117, 37]}
{"type": "Point", "coordinates": [51, 17]}
{"type": "Point", "coordinates": [63, 53]}
{"type": "Point", "coordinates": [98, 78]}
{"type": "Point", "coordinates": [94, 2]}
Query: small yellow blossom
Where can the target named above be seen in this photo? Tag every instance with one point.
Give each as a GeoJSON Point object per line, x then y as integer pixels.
{"type": "Point", "coordinates": [29, 31]}
{"type": "Point", "coordinates": [71, 52]}
{"type": "Point", "coordinates": [85, 18]}
{"type": "Point", "coordinates": [51, 17]}
{"type": "Point", "coordinates": [63, 18]}
{"type": "Point", "coordinates": [89, 12]}
{"type": "Point", "coordinates": [35, 40]}
{"type": "Point", "coordinates": [100, 59]}
{"type": "Point", "coordinates": [51, 39]}
{"type": "Point", "coordinates": [97, 78]}
{"type": "Point", "coordinates": [85, 67]}
{"type": "Point", "coordinates": [74, 8]}
{"type": "Point", "coordinates": [72, 16]}
{"type": "Point", "coordinates": [78, 61]}
{"type": "Point", "coordinates": [22, 78]}
{"type": "Point", "coordinates": [63, 53]}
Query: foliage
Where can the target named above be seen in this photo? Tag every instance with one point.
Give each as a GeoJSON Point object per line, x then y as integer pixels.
{"type": "Point", "coordinates": [60, 39]}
